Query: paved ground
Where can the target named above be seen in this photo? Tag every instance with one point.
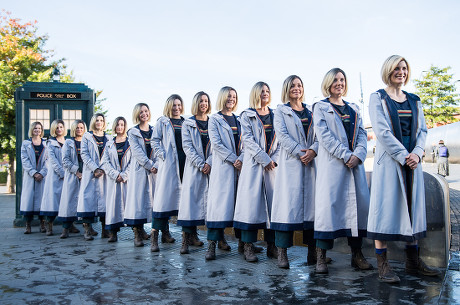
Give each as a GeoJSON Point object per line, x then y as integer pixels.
{"type": "Point", "coordinates": [35, 269]}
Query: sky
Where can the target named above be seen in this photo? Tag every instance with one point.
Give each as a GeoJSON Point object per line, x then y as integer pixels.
{"type": "Point", "coordinates": [144, 51]}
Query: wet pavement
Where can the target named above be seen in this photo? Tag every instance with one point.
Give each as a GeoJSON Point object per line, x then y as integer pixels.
{"type": "Point", "coordinates": [36, 269]}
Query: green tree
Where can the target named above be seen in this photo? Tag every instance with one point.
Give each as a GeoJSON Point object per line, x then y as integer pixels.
{"type": "Point", "coordinates": [23, 57]}
{"type": "Point", "coordinates": [436, 90]}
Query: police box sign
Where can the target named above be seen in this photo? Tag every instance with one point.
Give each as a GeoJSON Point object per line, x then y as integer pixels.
{"type": "Point", "coordinates": [55, 95]}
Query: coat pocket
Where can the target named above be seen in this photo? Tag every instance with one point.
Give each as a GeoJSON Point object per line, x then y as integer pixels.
{"type": "Point", "coordinates": [382, 158]}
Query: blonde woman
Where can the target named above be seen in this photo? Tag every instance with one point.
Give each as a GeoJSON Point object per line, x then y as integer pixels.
{"type": "Point", "coordinates": [397, 205]}
{"type": "Point", "coordinates": [293, 200]}
{"type": "Point", "coordinates": [91, 199]}
{"type": "Point", "coordinates": [255, 186]}
{"type": "Point", "coordinates": [115, 162]}
{"type": "Point", "coordinates": [55, 178]}
{"type": "Point", "coordinates": [342, 204]}
{"type": "Point", "coordinates": [33, 159]}
{"type": "Point", "coordinates": [167, 146]}
{"type": "Point", "coordinates": [73, 167]}
{"type": "Point", "coordinates": [141, 176]}
{"type": "Point", "coordinates": [197, 148]}
{"type": "Point", "coordinates": [227, 159]}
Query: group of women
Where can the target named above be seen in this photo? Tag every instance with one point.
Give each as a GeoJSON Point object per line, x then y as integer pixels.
{"type": "Point", "coordinates": [296, 168]}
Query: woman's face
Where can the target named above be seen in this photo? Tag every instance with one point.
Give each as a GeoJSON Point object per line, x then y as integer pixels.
{"type": "Point", "coordinates": [203, 105]}
{"type": "Point", "coordinates": [37, 131]}
{"type": "Point", "coordinates": [59, 130]}
{"type": "Point", "coordinates": [80, 130]}
{"type": "Point", "coordinates": [296, 90]}
{"type": "Point", "coordinates": [264, 96]}
{"type": "Point", "coordinates": [177, 108]}
{"type": "Point", "coordinates": [120, 128]}
{"type": "Point", "coordinates": [338, 85]}
{"type": "Point", "coordinates": [99, 123]}
{"type": "Point", "coordinates": [231, 100]}
{"type": "Point", "coordinates": [399, 74]}
{"type": "Point", "coordinates": [144, 114]}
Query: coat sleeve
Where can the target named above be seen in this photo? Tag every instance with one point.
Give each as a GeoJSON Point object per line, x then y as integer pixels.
{"type": "Point", "coordinates": [251, 147]}
{"type": "Point", "coordinates": [85, 155]}
{"type": "Point", "coordinates": [125, 173]}
{"type": "Point", "coordinates": [44, 170]}
{"type": "Point", "coordinates": [218, 147]}
{"type": "Point", "coordinates": [67, 159]}
{"type": "Point", "coordinates": [325, 137]}
{"type": "Point", "coordinates": [360, 150]}
{"type": "Point", "coordinates": [383, 131]}
{"type": "Point", "coordinates": [157, 137]}
{"type": "Point", "coordinates": [292, 146]}
{"type": "Point", "coordinates": [55, 164]}
{"type": "Point", "coordinates": [107, 165]}
{"type": "Point", "coordinates": [138, 153]}
{"type": "Point", "coordinates": [190, 151]}
{"type": "Point", "coordinates": [421, 137]}
{"type": "Point", "coordinates": [27, 164]}
{"type": "Point", "coordinates": [209, 159]}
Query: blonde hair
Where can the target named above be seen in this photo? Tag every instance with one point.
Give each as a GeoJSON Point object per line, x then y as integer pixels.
{"type": "Point", "coordinates": [196, 102]}
{"type": "Point", "coordinates": [328, 80]}
{"type": "Point", "coordinates": [31, 129]}
{"type": "Point", "coordinates": [92, 123]}
{"type": "Point", "coordinates": [167, 111]}
{"type": "Point", "coordinates": [390, 65]}
{"type": "Point", "coordinates": [115, 123]}
{"type": "Point", "coordinates": [256, 92]}
{"type": "Point", "coordinates": [73, 127]}
{"type": "Point", "coordinates": [287, 84]}
{"type": "Point", "coordinates": [54, 125]}
{"type": "Point", "coordinates": [137, 112]}
{"type": "Point", "coordinates": [222, 98]}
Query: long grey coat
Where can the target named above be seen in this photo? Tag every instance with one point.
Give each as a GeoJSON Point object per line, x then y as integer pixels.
{"type": "Point", "coordinates": [194, 193]}
{"type": "Point", "coordinates": [293, 205]}
{"type": "Point", "coordinates": [342, 201]}
{"type": "Point", "coordinates": [388, 213]}
{"type": "Point", "coordinates": [224, 176]}
{"type": "Point", "coordinates": [54, 179]}
{"type": "Point", "coordinates": [71, 184]}
{"type": "Point", "coordinates": [255, 185]}
{"type": "Point", "coordinates": [115, 199]}
{"type": "Point", "coordinates": [91, 200]}
{"type": "Point", "coordinates": [32, 191]}
{"type": "Point", "coordinates": [141, 186]}
{"type": "Point", "coordinates": [168, 186]}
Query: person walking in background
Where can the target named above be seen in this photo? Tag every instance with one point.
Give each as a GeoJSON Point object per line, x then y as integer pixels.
{"type": "Point", "coordinates": [73, 167]}
{"type": "Point", "coordinates": [397, 205]}
{"type": "Point", "coordinates": [115, 162]}
{"type": "Point", "coordinates": [33, 160]}
{"type": "Point", "coordinates": [442, 155]}
{"type": "Point", "coordinates": [342, 204]}
{"type": "Point", "coordinates": [194, 193]}
{"type": "Point", "coordinates": [167, 146]}
{"type": "Point", "coordinates": [55, 177]}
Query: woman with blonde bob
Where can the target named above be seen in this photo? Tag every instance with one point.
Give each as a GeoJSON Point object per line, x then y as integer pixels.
{"type": "Point", "coordinates": [141, 175]}
{"type": "Point", "coordinates": [115, 162]}
{"type": "Point", "coordinates": [342, 204]}
{"type": "Point", "coordinates": [167, 146]}
{"type": "Point", "coordinates": [33, 159]}
{"type": "Point", "coordinates": [73, 167]}
{"type": "Point", "coordinates": [227, 159]}
{"type": "Point", "coordinates": [91, 199]}
{"type": "Point", "coordinates": [294, 188]}
{"type": "Point", "coordinates": [55, 178]}
{"type": "Point", "coordinates": [397, 205]}
{"type": "Point", "coordinates": [197, 148]}
{"type": "Point", "coordinates": [256, 182]}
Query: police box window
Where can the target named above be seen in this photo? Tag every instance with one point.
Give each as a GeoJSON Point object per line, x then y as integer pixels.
{"type": "Point", "coordinates": [40, 115]}
{"type": "Point", "coordinates": [68, 116]}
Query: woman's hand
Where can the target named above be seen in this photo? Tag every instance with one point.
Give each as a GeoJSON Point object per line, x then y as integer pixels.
{"type": "Point", "coordinates": [308, 157]}
{"type": "Point", "coordinates": [352, 162]}
{"type": "Point", "coordinates": [206, 169]}
{"type": "Point", "coordinates": [238, 164]}
{"type": "Point", "coordinates": [38, 177]}
{"type": "Point", "coordinates": [270, 166]}
{"type": "Point", "coordinates": [98, 173]}
{"type": "Point", "coordinates": [119, 179]}
{"type": "Point", "coordinates": [412, 160]}
{"type": "Point", "coordinates": [78, 174]}
{"type": "Point", "coordinates": [154, 170]}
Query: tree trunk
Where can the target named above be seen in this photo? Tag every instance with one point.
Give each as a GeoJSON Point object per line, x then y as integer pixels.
{"type": "Point", "coordinates": [10, 181]}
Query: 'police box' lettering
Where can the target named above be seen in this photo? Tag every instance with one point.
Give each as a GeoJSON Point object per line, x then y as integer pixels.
{"type": "Point", "coordinates": [51, 95]}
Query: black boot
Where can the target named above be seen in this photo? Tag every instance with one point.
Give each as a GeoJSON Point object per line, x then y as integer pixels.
{"type": "Point", "coordinates": [154, 241]}
{"type": "Point", "coordinates": [28, 228]}
{"type": "Point", "coordinates": [211, 253]}
{"type": "Point", "coordinates": [138, 239]}
{"type": "Point", "coordinates": [65, 233]}
{"type": "Point", "coordinates": [166, 236]}
{"type": "Point", "coordinates": [415, 265]}
{"type": "Point", "coordinates": [185, 243]}
{"type": "Point", "coordinates": [104, 232]}
{"type": "Point", "coordinates": [249, 254]}
{"type": "Point", "coordinates": [195, 241]}
{"type": "Point", "coordinates": [283, 261]}
{"type": "Point", "coordinates": [223, 245]}
{"type": "Point", "coordinates": [113, 236]}
{"type": "Point", "coordinates": [321, 265]}
{"type": "Point", "coordinates": [272, 250]}
{"type": "Point", "coordinates": [385, 273]}
{"type": "Point", "coordinates": [358, 260]}
{"type": "Point", "coordinates": [87, 235]}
